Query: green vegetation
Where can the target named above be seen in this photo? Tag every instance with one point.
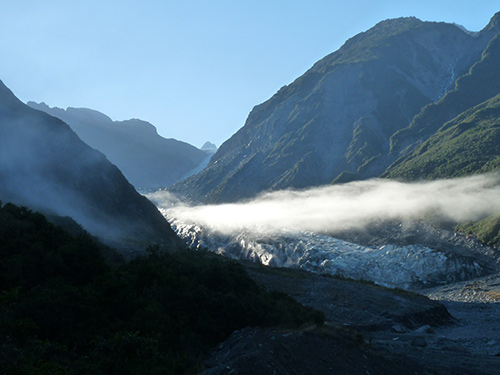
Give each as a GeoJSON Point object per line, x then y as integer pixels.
{"type": "Point", "coordinates": [469, 144]}
{"type": "Point", "coordinates": [64, 309]}
{"type": "Point", "coordinates": [372, 43]}
{"type": "Point", "coordinates": [481, 83]}
{"type": "Point", "coordinates": [487, 230]}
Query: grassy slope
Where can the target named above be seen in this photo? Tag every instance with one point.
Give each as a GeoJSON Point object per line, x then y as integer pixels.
{"type": "Point", "coordinates": [481, 83]}
{"type": "Point", "coordinates": [469, 144]}
{"type": "Point", "coordinates": [486, 230]}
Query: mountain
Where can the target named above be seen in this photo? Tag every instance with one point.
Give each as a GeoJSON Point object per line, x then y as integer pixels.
{"type": "Point", "coordinates": [457, 136]}
{"type": "Point", "coordinates": [468, 144]}
{"type": "Point", "coordinates": [335, 122]}
{"type": "Point", "coordinates": [146, 159]}
{"type": "Point", "coordinates": [209, 150]}
{"type": "Point", "coordinates": [481, 83]}
{"type": "Point", "coordinates": [209, 147]}
{"type": "Point", "coordinates": [46, 167]}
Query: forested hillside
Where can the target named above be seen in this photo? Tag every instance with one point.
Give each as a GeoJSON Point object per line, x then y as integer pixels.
{"type": "Point", "coordinates": [69, 306]}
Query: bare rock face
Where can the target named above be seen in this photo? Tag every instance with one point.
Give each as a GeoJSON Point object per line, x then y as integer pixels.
{"type": "Point", "coordinates": [46, 167]}
{"type": "Point", "coordinates": [334, 123]}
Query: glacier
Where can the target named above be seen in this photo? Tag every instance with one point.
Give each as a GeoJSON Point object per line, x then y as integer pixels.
{"type": "Point", "coordinates": [408, 266]}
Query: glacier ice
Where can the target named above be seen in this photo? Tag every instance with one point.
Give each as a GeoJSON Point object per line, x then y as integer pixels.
{"type": "Point", "coordinates": [403, 266]}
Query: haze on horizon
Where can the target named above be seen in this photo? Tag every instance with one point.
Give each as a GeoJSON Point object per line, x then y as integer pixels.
{"type": "Point", "coordinates": [192, 69]}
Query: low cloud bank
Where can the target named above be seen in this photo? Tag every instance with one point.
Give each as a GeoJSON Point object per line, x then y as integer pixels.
{"type": "Point", "coordinates": [344, 207]}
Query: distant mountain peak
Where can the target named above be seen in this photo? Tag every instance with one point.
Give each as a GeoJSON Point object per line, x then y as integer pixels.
{"type": "Point", "coordinates": [70, 111]}
{"type": "Point", "coordinates": [140, 125]}
{"type": "Point", "coordinates": [209, 146]}
{"type": "Point", "coordinates": [90, 113]}
{"type": "Point", "coordinates": [35, 104]}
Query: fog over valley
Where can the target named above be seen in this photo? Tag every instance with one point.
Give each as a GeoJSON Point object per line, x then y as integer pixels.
{"type": "Point", "coordinates": [379, 230]}
{"type": "Point", "coordinates": [347, 206]}
{"type": "Point", "coordinates": [350, 225]}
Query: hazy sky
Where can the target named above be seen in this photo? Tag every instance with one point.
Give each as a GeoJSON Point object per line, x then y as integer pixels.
{"type": "Point", "coordinates": [194, 69]}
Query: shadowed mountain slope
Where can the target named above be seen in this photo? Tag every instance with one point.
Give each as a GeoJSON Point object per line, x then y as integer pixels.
{"type": "Point", "coordinates": [145, 158]}
{"type": "Point", "coordinates": [45, 166]}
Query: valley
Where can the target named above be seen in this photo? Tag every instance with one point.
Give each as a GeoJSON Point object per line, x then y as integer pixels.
{"type": "Point", "coordinates": [350, 226]}
{"type": "Point", "coordinates": [399, 235]}
{"type": "Point", "coordinates": [439, 314]}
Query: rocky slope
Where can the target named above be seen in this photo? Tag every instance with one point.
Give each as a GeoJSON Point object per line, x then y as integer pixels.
{"type": "Point", "coordinates": [369, 330]}
{"type": "Point", "coordinates": [479, 85]}
{"type": "Point", "coordinates": [458, 135]}
{"type": "Point", "coordinates": [146, 159]}
{"type": "Point", "coordinates": [468, 144]}
{"type": "Point", "coordinates": [335, 122]}
{"type": "Point", "coordinates": [45, 166]}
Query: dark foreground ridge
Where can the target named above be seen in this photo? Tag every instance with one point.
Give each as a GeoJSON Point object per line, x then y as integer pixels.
{"type": "Point", "coordinates": [70, 305]}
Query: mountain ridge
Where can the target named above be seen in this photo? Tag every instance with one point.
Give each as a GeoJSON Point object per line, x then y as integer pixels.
{"type": "Point", "coordinates": [45, 166]}
{"type": "Point", "coordinates": [477, 85]}
{"type": "Point", "coordinates": [148, 160]}
{"type": "Point", "coordinates": [335, 122]}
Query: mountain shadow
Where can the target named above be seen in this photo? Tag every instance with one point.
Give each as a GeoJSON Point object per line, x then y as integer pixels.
{"type": "Point", "coordinates": [46, 167]}
{"type": "Point", "coordinates": [147, 160]}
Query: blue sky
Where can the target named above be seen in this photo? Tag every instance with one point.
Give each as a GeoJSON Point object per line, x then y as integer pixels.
{"type": "Point", "coordinates": [194, 69]}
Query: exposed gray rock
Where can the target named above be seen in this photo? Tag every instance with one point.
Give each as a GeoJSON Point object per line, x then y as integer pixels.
{"type": "Point", "coordinates": [398, 328]}
{"type": "Point", "coordinates": [427, 329]}
{"type": "Point", "coordinates": [334, 122]}
{"type": "Point", "coordinates": [419, 341]}
{"type": "Point", "coordinates": [448, 344]}
{"type": "Point", "coordinates": [265, 352]}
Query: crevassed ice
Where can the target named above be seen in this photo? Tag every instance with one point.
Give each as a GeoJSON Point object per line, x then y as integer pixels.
{"type": "Point", "coordinates": [405, 267]}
